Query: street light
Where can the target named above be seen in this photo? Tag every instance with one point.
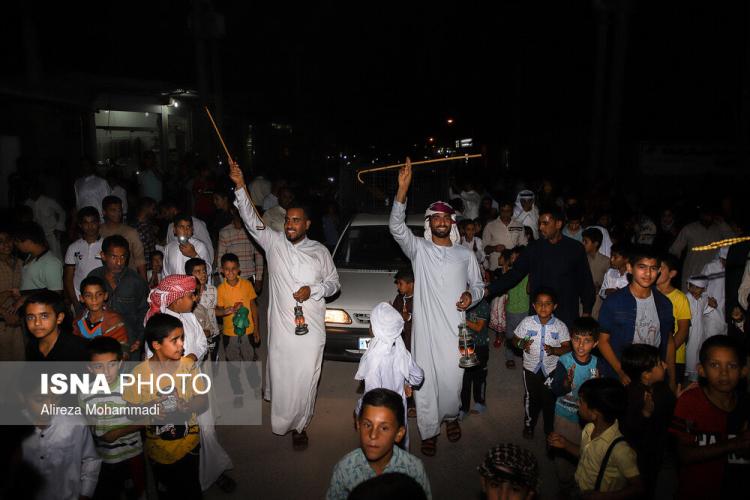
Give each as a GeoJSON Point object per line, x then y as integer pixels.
{"type": "Point", "coordinates": [450, 121]}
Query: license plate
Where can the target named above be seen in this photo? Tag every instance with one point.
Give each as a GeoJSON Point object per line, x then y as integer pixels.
{"type": "Point", "coordinates": [364, 342]}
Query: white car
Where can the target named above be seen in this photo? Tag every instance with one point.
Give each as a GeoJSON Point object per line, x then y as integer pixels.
{"type": "Point", "coordinates": [366, 258]}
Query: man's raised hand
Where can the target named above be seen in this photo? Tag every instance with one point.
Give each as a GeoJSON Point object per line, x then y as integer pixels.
{"type": "Point", "coordinates": [404, 175]}
{"type": "Point", "coordinates": [235, 173]}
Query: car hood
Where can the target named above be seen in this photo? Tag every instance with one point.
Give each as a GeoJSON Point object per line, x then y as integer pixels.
{"type": "Point", "coordinates": [361, 290]}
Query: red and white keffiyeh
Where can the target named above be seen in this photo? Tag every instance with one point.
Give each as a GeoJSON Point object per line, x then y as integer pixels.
{"type": "Point", "coordinates": [171, 288]}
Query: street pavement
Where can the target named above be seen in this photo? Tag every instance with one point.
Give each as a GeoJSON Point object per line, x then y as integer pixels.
{"type": "Point", "coordinates": [266, 466]}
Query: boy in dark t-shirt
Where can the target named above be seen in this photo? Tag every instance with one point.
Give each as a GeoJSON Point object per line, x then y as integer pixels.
{"type": "Point", "coordinates": [477, 321]}
{"type": "Point", "coordinates": [711, 425]}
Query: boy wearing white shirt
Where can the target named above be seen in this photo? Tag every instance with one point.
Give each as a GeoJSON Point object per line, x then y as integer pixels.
{"type": "Point", "coordinates": [83, 255]}
{"type": "Point", "coordinates": [184, 248]}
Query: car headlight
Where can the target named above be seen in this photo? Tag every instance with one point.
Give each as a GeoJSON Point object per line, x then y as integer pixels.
{"type": "Point", "coordinates": [338, 316]}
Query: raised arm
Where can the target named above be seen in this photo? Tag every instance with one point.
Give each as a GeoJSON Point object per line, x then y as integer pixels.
{"type": "Point", "coordinates": [397, 224]}
{"type": "Point", "coordinates": [264, 237]}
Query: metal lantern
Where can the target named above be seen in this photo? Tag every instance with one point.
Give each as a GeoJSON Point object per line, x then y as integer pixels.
{"type": "Point", "coordinates": [467, 347]}
{"type": "Point", "coordinates": [299, 321]}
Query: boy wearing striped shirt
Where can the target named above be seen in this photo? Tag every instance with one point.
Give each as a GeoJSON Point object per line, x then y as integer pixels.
{"type": "Point", "coordinates": [118, 441]}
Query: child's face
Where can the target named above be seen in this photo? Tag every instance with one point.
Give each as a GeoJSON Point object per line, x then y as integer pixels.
{"type": "Point", "coordinates": [695, 291]}
{"type": "Point", "coordinates": [94, 297]}
{"type": "Point", "coordinates": [737, 315]}
{"type": "Point", "coordinates": [106, 363]}
{"type": "Point", "coordinates": [157, 263]}
{"type": "Point", "coordinates": [231, 271]}
{"type": "Point", "coordinates": [574, 226]}
{"type": "Point", "coordinates": [378, 431]}
{"type": "Point", "coordinates": [171, 347]}
{"type": "Point", "coordinates": [582, 346]}
{"type": "Point", "coordinates": [184, 304]}
{"type": "Point", "coordinates": [644, 272]}
{"type": "Point", "coordinates": [201, 274]}
{"type": "Point", "coordinates": [591, 247]}
{"type": "Point", "coordinates": [722, 369]}
{"type": "Point", "coordinates": [41, 319]}
{"type": "Point", "coordinates": [665, 275]}
{"type": "Point", "coordinates": [544, 306]}
{"type": "Point", "coordinates": [617, 261]}
{"type": "Point", "coordinates": [183, 228]}
{"type": "Point", "coordinates": [655, 374]}
{"type": "Point", "coordinates": [405, 287]}
{"type": "Point", "coordinates": [503, 489]}
{"type": "Point", "coordinates": [470, 231]}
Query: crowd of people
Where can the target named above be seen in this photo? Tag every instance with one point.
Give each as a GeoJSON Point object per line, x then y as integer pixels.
{"type": "Point", "coordinates": [631, 341]}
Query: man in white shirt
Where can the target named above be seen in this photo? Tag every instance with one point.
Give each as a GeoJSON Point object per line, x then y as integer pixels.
{"type": "Point", "coordinates": [50, 216]}
{"type": "Point", "coordinates": [90, 189]}
{"type": "Point", "coordinates": [184, 247]}
{"type": "Point", "coordinates": [83, 255]}
{"type": "Point", "coordinates": [502, 233]}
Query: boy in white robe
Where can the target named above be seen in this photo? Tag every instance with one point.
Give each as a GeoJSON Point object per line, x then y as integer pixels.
{"type": "Point", "coordinates": [714, 322]}
{"type": "Point", "coordinates": [698, 301]}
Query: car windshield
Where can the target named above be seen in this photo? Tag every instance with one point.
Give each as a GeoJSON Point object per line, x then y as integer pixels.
{"type": "Point", "coordinates": [371, 247]}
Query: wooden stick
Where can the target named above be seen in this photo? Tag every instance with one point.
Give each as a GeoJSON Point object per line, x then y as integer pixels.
{"type": "Point", "coordinates": [715, 245]}
{"type": "Point", "coordinates": [229, 158]}
{"type": "Point", "coordinates": [423, 162]}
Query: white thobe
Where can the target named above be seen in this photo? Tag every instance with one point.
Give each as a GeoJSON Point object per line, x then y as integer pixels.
{"type": "Point", "coordinates": [174, 259]}
{"type": "Point", "coordinates": [51, 217]}
{"type": "Point", "coordinates": [476, 247]}
{"type": "Point", "coordinates": [695, 335]}
{"type": "Point", "coordinates": [714, 322]}
{"type": "Point", "coordinates": [294, 361]}
{"type": "Point", "coordinates": [200, 231]}
{"type": "Point", "coordinates": [90, 191]}
{"type": "Point", "coordinates": [441, 275]}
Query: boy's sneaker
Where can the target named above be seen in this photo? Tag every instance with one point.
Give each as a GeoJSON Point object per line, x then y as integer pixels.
{"type": "Point", "coordinates": [478, 409]}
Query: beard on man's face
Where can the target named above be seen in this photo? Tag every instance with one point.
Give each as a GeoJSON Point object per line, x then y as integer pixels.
{"type": "Point", "coordinates": [441, 231]}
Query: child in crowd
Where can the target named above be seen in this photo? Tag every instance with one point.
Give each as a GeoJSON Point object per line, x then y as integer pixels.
{"type": "Point", "coordinates": [543, 338]}
{"type": "Point", "coordinates": [509, 472]}
{"type": "Point", "coordinates": [714, 321]}
{"type": "Point", "coordinates": [680, 309]}
{"type": "Point", "coordinates": [498, 314]}
{"type": "Point", "coordinates": [44, 313]}
{"type": "Point", "coordinates": [470, 240]}
{"type": "Point", "coordinates": [118, 440]}
{"type": "Point", "coordinates": [404, 302]}
{"type": "Point", "coordinates": [617, 276]}
{"type": "Point", "coordinates": [516, 309]}
{"type": "Point", "coordinates": [233, 295]}
{"type": "Point", "coordinates": [573, 228]}
{"type": "Point", "coordinates": [82, 255]}
{"type": "Point", "coordinates": [387, 363]}
{"type": "Point", "coordinates": [711, 425]}
{"type": "Point", "coordinates": [475, 377]}
{"type": "Point", "coordinates": [573, 370]}
{"type": "Point", "coordinates": [650, 405]}
{"type": "Point", "coordinates": [60, 448]}
{"type": "Point", "coordinates": [607, 464]}
{"type": "Point", "coordinates": [156, 273]}
{"type": "Point", "coordinates": [205, 311]}
{"type": "Point", "coordinates": [381, 426]}
{"type": "Point", "coordinates": [96, 320]}
{"type": "Point", "coordinates": [698, 301]}
{"type": "Point", "coordinates": [598, 263]}
{"type": "Point", "coordinates": [172, 441]}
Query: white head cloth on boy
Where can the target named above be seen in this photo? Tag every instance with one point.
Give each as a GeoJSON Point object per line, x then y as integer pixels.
{"type": "Point", "coordinates": [387, 324]}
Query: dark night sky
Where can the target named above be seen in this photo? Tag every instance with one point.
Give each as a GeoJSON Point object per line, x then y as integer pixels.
{"type": "Point", "coordinates": [385, 72]}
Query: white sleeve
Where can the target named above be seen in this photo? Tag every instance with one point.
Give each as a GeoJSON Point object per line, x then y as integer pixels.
{"type": "Point", "coordinates": [330, 283]}
{"type": "Point", "coordinates": [264, 237]}
{"type": "Point", "coordinates": [476, 282]}
{"type": "Point", "coordinates": [416, 374]}
{"type": "Point", "coordinates": [70, 256]}
{"type": "Point", "coordinates": [744, 289]}
{"type": "Point", "coordinates": [401, 232]}
{"type": "Point", "coordinates": [90, 463]}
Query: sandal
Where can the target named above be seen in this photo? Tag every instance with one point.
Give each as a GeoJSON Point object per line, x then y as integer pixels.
{"type": "Point", "coordinates": [453, 430]}
{"type": "Point", "coordinates": [429, 446]}
{"type": "Point", "coordinates": [299, 440]}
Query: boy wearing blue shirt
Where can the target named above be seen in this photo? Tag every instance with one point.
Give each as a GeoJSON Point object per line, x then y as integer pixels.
{"type": "Point", "coordinates": [573, 369]}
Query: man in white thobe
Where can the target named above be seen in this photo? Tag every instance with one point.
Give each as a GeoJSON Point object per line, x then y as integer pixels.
{"type": "Point", "coordinates": [526, 212]}
{"type": "Point", "coordinates": [50, 216]}
{"type": "Point", "coordinates": [444, 272]}
{"type": "Point", "coordinates": [299, 271]}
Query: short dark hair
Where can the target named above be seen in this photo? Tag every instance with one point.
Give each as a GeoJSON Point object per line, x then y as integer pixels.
{"type": "Point", "coordinates": [620, 248]}
{"type": "Point", "coordinates": [518, 250]}
{"type": "Point", "coordinates": [553, 211]}
{"type": "Point", "coordinates": [506, 254]}
{"type": "Point", "coordinates": [594, 234]}
{"type": "Point", "coordinates": [145, 203]}
{"type": "Point", "coordinates": [384, 398]}
{"type": "Point", "coordinates": [544, 291]}
{"type": "Point", "coordinates": [722, 341]}
{"type": "Point", "coordinates": [605, 395]}
{"type": "Point", "coordinates": [639, 358]}
{"type": "Point", "coordinates": [392, 485]}
{"type": "Point", "coordinates": [115, 241]}
{"type": "Point", "coordinates": [505, 202]}
{"type": "Point", "coordinates": [158, 327]}
{"type": "Point", "coordinates": [672, 262]}
{"type": "Point", "coordinates": [299, 206]}
{"type": "Point", "coordinates": [88, 212]}
{"type": "Point", "coordinates": [92, 281]}
{"type": "Point", "coordinates": [182, 217]}
{"type": "Point", "coordinates": [104, 345]}
{"type": "Point", "coordinates": [110, 200]}
{"type": "Point", "coordinates": [585, 326]}
{"type": "Point", "coordinates": [30, 231]}
{"type": "Point", "coordinates": [640, 252]}
{"type": "Point", "coordinates": [230, 257]}
{"type": "Point", "coordinates": [193, 263]}
{"type": "Point", "coordinates": [405, 275]}
{"type": "Point", "coordinates": [48, 298]}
